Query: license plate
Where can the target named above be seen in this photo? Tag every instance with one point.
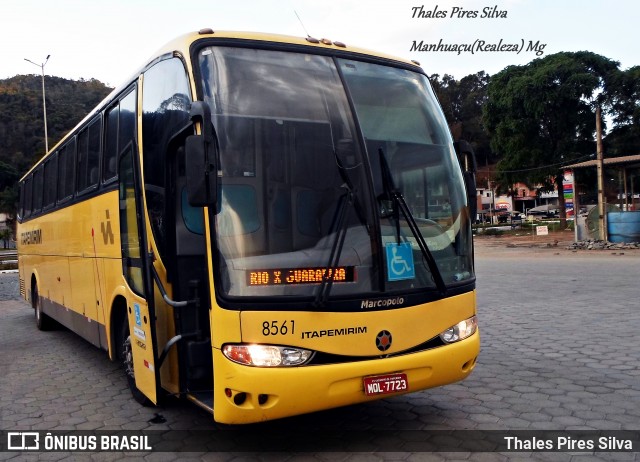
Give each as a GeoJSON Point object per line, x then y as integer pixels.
{"type": "Point", "coordinates": [385, 384]}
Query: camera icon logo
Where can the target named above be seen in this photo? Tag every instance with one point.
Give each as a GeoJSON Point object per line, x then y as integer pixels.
{"type": "Point", "coordinates": [23, 441]}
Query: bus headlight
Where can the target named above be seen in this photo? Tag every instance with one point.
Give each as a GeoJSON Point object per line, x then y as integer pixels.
{"type": "Point", "coordinates": [266, 355]}
{"type": "Point", "coordinates": [460, 331]}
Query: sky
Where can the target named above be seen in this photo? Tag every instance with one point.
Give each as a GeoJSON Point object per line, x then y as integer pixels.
{"type": "Point", "coordinates": [110, 39]}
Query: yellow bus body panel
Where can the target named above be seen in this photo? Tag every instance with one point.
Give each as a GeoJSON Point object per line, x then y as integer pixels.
{"type": "Point", "coordinates": [297, 390]}
{"type": "Point", "coordinates": [354, 333]}
{"type": "Point", "coordinates": [75, 260]}
{"type": "Point", "coordinates": [141, 346]}
{"type": "Point", "coordinates": [292, 391]}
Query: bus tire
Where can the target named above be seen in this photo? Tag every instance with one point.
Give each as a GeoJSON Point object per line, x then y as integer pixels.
{"type": "Point", "coordinates": [43, 321]}
{"type": "Point", "coordinates": [126, 355]}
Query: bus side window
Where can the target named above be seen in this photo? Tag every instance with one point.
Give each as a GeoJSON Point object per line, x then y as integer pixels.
{"type": "Point", "coordinates": [50, 183]}
{"type": "Point", "coordinates": [166, 121]}
{"type": "Point", "coordinates": [83, 144]}
{"type": "Point", "coordinates": [240, 205]}
{"type": "Point", "coordinates": [111, 144]}
{"type": "Point", "coordinates": [120, 129]}
{"type": "Point", "coordinates": [129, 231]}
{"type": "Point", "coordinates": [93, 155]}
{"type": "Point", "coordinates": [66, 170]}
{"type": "Point", "coordinates": [89, 156]}
{"type": "Point", "coordinates": [21, 201]}
{"type": "Point", "coordinates": [127, 119]}
{"type": "Point", "coordinates": [192, 216]}
{"type": "Point", "coordinates": [37, 190]}
{"type": "Point", "coordinates": [28, 190]}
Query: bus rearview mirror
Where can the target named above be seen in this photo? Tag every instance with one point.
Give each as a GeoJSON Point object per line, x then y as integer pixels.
{"type": "Point", "coordinates": [468, 164]}
{"type": "Point", "coordinates": [201, 152]}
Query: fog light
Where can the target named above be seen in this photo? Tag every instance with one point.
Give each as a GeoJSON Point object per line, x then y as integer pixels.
{"type": "Point", "coordinates": [266, 355]}
{"type": "Point", "coordinates": [460, 331]}
{"type": "Point", "coordinates": [294, 356]}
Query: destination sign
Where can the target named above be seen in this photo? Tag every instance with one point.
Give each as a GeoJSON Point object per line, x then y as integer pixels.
{"type": "Point", "coordinates": [290, 276]}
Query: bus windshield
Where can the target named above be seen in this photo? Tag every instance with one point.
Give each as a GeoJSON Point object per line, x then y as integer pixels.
{"type": "Point", "coordinates": [303, 195]}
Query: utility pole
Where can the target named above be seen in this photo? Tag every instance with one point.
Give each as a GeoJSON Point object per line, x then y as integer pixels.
{"type": "Point", "coordinates": [492, 203]}
{"type": "Point", "coordinates": [44, 101]}
{"type": "Point", "coordinates": [602, 222]}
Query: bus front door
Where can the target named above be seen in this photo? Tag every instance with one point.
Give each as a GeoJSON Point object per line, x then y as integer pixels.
{"type": "Point", "coordinates": [138, 331]}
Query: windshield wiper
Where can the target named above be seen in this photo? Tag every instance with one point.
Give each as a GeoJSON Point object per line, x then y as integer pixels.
{"type": "Point", "coordinates": [349, 200]}
{"type": "Point", "coordinates": [340, 221]}
{"type": "Point", "coordinates": [395, 196]}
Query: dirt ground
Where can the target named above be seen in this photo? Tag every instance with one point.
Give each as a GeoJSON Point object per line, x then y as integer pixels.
{"type": "Point", "coordinates": [525, 244]}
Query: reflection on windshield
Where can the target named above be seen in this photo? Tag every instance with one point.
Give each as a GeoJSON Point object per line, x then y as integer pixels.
{"type": "Point", "coordinates": [401, 267]}
{"type": "Point", "coordinates": [289, 154]}
{"type": "Point", "coordinates": [286, 138]}
{"type": "Point", "coordinates": [400, 119]}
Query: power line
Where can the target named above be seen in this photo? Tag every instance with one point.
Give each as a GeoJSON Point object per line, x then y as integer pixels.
{"type": "Point", "coordinates": [590, 156]}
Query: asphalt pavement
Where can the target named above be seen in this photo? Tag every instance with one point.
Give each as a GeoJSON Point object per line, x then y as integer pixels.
{"type": "Point", "coordinates": [560, 352]}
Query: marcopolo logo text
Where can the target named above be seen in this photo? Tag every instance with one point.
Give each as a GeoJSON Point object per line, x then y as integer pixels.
{"type": "Point", "coordinates": [382, 303]}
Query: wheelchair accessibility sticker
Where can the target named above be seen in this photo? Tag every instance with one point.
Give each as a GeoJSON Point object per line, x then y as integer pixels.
{"type": "Point", "coordinates": [136, 309]}
{"type": "Point", "coordinates": [399, 261]}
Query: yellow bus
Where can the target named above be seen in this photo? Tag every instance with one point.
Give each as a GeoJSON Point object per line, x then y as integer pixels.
{"type": "Point", "coordinates": [264, 225]}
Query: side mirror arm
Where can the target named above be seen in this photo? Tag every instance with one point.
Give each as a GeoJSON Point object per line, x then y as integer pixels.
{"type": "Point", "coordinates": [202, 159]}
{"type": "Point", "coordinates": [469, 166]}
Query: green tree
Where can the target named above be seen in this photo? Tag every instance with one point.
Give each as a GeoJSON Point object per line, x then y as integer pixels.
{"type": "Point", "coordinates": [462, 103]}
{"type": "Point", "coordinates": [624, 138]}
{"type": "Point", "coordinates": [22, 128]}
{"type": "Point", "coordinates": [9, 193]}
{"type": "Point", "coordinates": [542, 114]}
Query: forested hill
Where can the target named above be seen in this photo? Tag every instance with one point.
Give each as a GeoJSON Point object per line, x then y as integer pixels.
{"type": "Point", "coordinates": [22, 126]}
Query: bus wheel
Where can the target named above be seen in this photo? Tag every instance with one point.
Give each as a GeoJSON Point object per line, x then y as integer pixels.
{"type": "Point", "coordinates": [43, 322]}
{"type": "Point", "coordinates": [127, 361]}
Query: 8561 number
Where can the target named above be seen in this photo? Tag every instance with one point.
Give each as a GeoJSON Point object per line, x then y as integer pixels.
{"type": "Point", "coordinates": [278, 328]}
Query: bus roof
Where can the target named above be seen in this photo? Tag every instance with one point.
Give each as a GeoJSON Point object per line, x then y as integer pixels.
{"type": "Point", "coordinates": [183, 43]}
